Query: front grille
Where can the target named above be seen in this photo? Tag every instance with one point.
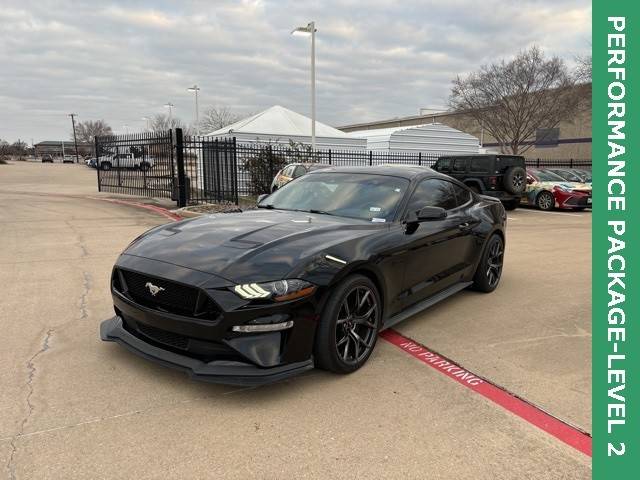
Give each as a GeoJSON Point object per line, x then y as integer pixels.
{"type": "Point", "coordinates": [170, 296]}
{"type": "Point", "coordinates": [162, 336]}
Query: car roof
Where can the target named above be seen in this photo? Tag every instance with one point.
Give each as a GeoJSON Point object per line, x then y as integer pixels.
{"type": "Point", "coordinates": [404, 171]}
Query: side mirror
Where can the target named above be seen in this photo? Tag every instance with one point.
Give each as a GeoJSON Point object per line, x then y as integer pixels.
{"type": "Point", "coordinates": [431, 213]}
{"type": "Point", "coordinates": [262, 197]}
{"type": "Point", "coordinates": [425, 214]}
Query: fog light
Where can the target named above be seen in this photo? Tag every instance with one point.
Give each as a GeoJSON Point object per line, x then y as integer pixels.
{"type": "Point", "coordinates": [267, 327]}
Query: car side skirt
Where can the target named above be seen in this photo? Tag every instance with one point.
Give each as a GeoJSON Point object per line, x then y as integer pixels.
{"type": "Point", "coordinates": [424, 304]}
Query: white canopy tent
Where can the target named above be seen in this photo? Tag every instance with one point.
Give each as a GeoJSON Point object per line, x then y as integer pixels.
{"type": "Point", "coordinates": [433, 138]}
{"type": "Point", "coordinates": [279, 125]}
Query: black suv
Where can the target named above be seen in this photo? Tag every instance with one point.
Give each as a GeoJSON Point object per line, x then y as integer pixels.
{"type": "Point", "coordinates": [500, 176]}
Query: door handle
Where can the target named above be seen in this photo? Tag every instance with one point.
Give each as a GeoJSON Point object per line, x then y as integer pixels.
{"type": "Point", "coordinates": [464, 226]}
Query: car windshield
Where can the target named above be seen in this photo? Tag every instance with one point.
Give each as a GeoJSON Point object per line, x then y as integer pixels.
{"type": "Point", "coordinates": [354, 195]}
{"type": "Point", "coordinates": [547, 176]}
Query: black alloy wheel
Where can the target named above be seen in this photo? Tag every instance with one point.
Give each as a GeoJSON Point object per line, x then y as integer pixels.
{"type": "Point", "coordinates": [349, 325]}
{"type": "Point", "coordinates": [489, 269]}
{"type": "Point", "coordinates": [494, 262]}
{"type": "Point", "coordinates": [356, 326]}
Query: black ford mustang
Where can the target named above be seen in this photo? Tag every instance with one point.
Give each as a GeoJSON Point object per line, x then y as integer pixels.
{"type": "Point", "coordinates": [309, 278]}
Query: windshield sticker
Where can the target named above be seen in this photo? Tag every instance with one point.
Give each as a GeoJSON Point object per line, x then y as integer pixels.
{"type": "Point", "coordinates": [375, 209]}
{"type": "Point", "coordinates": [378, 220]}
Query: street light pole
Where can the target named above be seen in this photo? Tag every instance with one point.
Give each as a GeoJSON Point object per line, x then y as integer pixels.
{"type": "Point", "coordinates": [313, 85]}
{"type": "Point", "coordinates": [170, 105]}
{"type": "Point", "coordinates": [195, 89]}
{"type": "Point", "coordinates": [146, 119]}
{"type": "Point", "coordinates": [310, 29]}
{"type": "Point", "coordinates": [75, 140]}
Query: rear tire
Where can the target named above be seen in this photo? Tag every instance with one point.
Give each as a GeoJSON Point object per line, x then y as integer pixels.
{"type": "Point", "coordinates": [489, 270]}
{"type": "Point", "coordinates": [545, 201]}
{"type": "Point", "coordinates": [349, 325]}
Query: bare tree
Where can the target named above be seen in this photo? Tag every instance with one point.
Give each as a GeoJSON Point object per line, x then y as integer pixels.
{"type": "Point", "coordinates": [583, 68]}
{"type": "Point", "coordinates": [511, 99]}
{"type": "Point", "coordinates": [87, 130]}
{"type": "Point", "coordinates": [161, 122]}
{"type": "Point", "coordinates": [215, 118]}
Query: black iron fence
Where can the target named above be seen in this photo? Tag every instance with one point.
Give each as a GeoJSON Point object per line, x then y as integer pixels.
{"type": "Point", "coordinates": [140, 164]}
{"type": "Point", "coordinates": [196, 169]}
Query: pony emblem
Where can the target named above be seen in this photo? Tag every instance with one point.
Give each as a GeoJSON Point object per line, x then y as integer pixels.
{"type": "Point", "coordinates": [154, 289]}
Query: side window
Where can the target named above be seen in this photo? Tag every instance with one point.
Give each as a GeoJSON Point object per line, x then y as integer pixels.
{"type": "Point", "coordinates": [443, 165]}
{"type": "Point", "coordinates": [432, 192]}
{"type": "Point", "coordinates": [462, 194]}
{"type": "Point", "coordinates": [480, 164]}
{"type": "Point", "coordinates": [460, 165]}
{"type": "Point", "coordinates": [287, 172]}
{"type": "Point", "coordinates": [299, 171]}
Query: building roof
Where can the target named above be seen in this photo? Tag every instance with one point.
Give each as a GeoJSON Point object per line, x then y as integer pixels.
{"type": "Point", "coordinates": [278, 120]}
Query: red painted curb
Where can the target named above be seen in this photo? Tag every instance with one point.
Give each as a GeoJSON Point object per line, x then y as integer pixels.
{"type": "Point", "coordinates": [564, 432]}
{"type": "Point", "coordinates": [154, 208]}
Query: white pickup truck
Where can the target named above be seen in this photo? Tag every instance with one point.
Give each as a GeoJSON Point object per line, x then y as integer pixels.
{"type": "Point", "coordinates": [124, 160]}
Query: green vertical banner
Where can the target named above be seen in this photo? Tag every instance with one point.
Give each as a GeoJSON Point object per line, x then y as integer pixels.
{"type": "Point", "coordinates": [616, 239]}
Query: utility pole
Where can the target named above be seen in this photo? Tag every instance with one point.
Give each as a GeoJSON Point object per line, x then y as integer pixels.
{"type": "Point", "coordinates": [75, 140]}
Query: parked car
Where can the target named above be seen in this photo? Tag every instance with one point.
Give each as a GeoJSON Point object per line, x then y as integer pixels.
{"type": "Point", "coordinates": [570, 175]}
{"type": "Point", "coordinates": [499, 176]}
{"type": "Point", "coordinates": [308, 278]}
{"type": "Point", "coordinates": [547, 190]}
{"type": "Point", "coordinates": [69, 159]}
{"type": "Point", "coordinates": [46, 158]}
{"type": "Point", "coordinates": [294, 170]}
{"type": "Point", "coordinates": [124, 160]}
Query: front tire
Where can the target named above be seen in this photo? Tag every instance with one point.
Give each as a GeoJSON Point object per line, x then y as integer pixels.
{"type": "Point", "coordinates": [545, 201]}
{"type": "Point", "coordinates": [489, 270]}
{"type": "Point", "coordinates": [349, 325]}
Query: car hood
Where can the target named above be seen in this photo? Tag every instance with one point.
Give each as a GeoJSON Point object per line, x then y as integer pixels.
{"type": "Point", "coordinates": [258, 245]}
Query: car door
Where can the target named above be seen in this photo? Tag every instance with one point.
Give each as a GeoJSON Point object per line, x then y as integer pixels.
{"type": "Point", "coordinates": [438, 252]}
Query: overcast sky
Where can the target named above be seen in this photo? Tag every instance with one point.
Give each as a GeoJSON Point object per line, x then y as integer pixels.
{"type": "Point", "coordinates": [120, 61]}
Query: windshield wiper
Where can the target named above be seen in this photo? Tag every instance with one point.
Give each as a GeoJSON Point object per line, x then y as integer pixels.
{"type": "Point", "coordinates": [321, 212]}
{"type": "Point", "coordinates": [268, 206]}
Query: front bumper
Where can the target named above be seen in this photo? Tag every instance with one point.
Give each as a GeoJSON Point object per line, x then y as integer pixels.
{"type": "Point", "coordinates": [217, 371]}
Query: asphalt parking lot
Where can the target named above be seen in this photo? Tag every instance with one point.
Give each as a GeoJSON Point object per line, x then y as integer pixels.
{"type": "Point", "coordinates": [74, 407]}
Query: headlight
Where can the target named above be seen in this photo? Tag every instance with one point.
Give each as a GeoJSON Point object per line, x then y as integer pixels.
{"type": "Point", "coordinates": [564, 189]}
{"type": "Point", "coordinates": [279, 291]}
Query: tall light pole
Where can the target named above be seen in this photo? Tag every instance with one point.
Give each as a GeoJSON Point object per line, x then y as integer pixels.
{"type": "Point", "coordinates": [195, 89]}
{"type": "Point", "coordinates": [146, 119]}
{"type": "Point", "coordinates": [310, 30]}
{"type": "Point", "coordinates": [170, 106]}
{"type": "Point", "coordinates": [75, 140]}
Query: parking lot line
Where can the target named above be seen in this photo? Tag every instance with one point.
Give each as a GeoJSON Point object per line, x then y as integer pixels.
{"type": "Point", "coordinates": [563, 431]}
{"type": "Point", "coordinates": [540, 212]}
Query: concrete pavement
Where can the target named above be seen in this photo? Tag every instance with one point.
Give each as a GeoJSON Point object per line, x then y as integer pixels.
{"type": "Point", "coordinates": [74, 407]}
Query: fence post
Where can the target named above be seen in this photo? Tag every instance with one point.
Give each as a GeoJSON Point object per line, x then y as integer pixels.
{"type": "Point", "coordinates": [571, 163]}
{"type": "Point", "coordinates": [329, 156]}
{"type": "Point", "coordinates": [234, 159]}
{"type": "Point", "coordinates": [95, 139]}
{"type": "Point", "coordinates": [370, 158]}
{"type": "Point", "coordinates": [420, 158]}
{"type": "Point", "coordinates": [182, 184]}
{"type": "Point", "coordinates": [537, 163]}
{"type": "Point", "coordinates": [271, 172]}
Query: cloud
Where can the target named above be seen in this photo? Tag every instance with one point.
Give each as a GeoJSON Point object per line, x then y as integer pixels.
{"type": "Point", "coordinates": [121, 61]}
